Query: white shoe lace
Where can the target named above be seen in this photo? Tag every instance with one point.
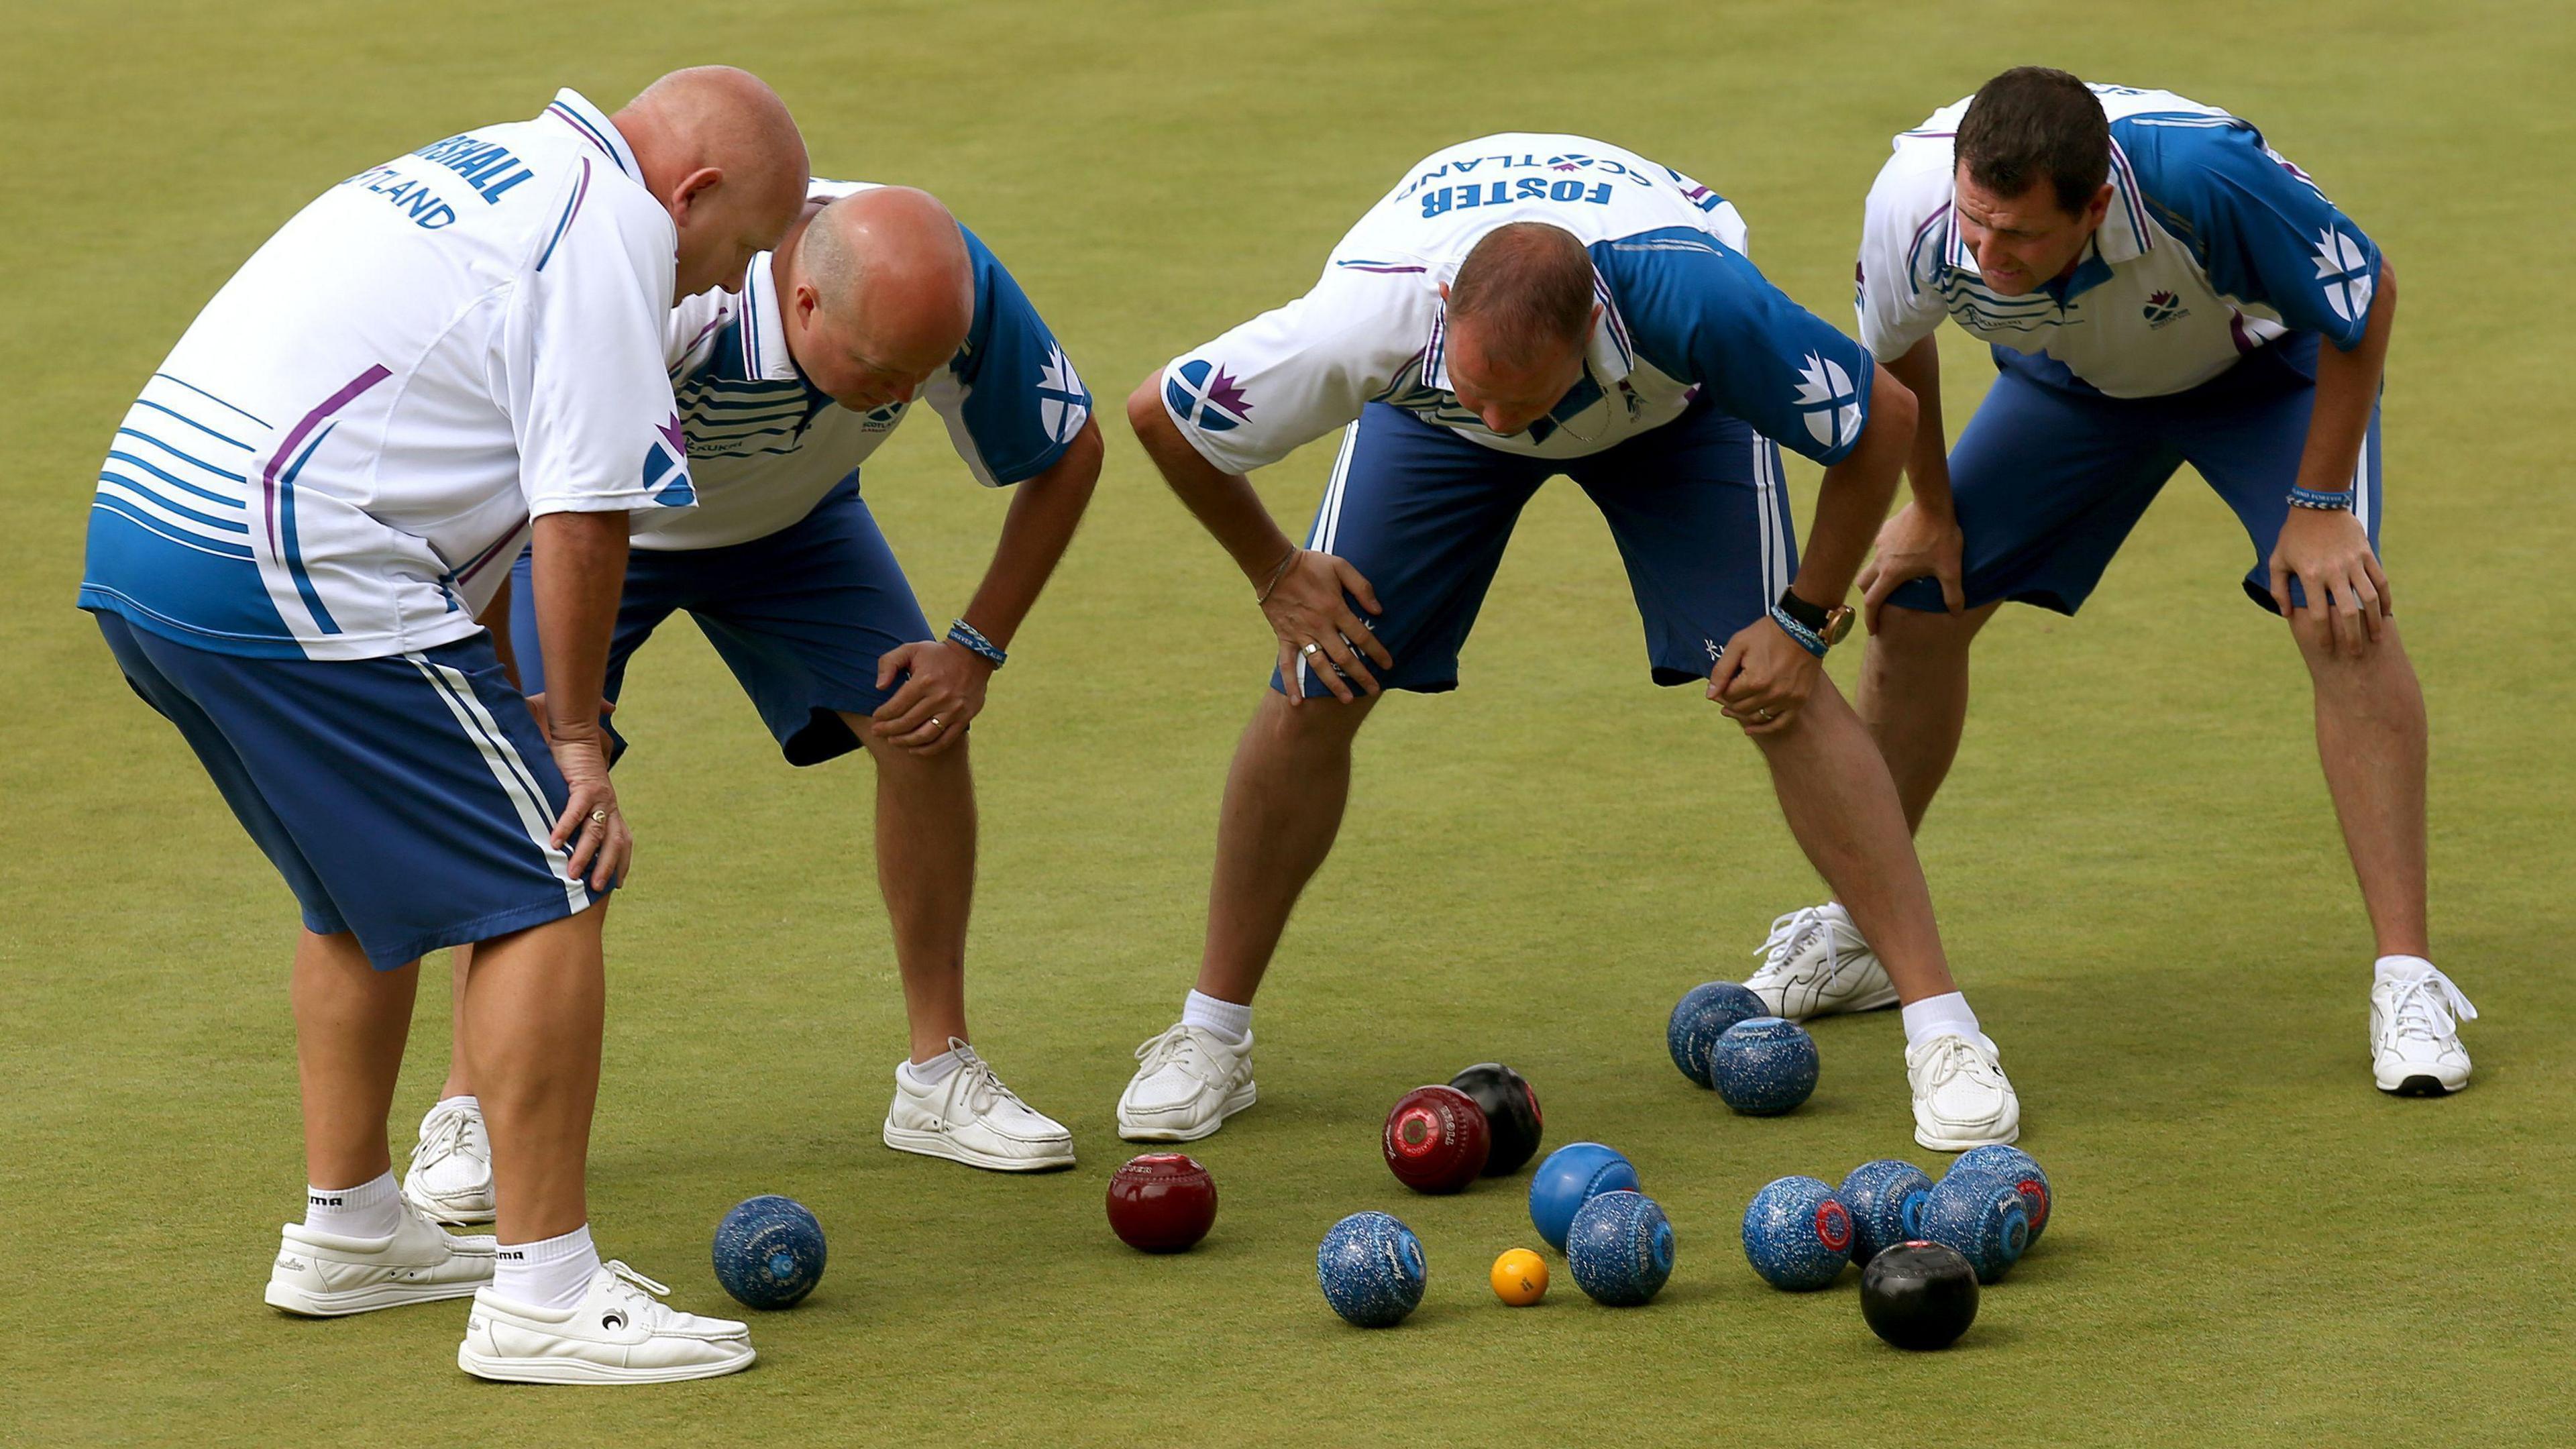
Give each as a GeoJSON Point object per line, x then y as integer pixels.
{"type": "Point", "coordinates": [442, 1135]}
{"type": "Point", "coordinates": [2429, 1008]}
{"type": "Point", "coordinates": [1178, 1047]}
{"type": "Point", "coordinates": [1953, 1056]}
{"type": "Point", "coordinates": [642, 1295]}
{"type": "Point", "coordinates": [1791, 934]}
{"type": "Point", "coordinates": [974, 1081]}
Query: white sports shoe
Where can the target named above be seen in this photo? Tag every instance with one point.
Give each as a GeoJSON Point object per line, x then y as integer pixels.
{"type": "Point", "coordinates": [450, 1176]}
{"type": "Point", "coordinates": [1816, 964]}
{"type": "Point", "coordinates": [324, 1275]}
{"type": "Point", "coordinates": [1962, 1098]}
{"type": "Point", "coordinates": [1188, 1081]}
{"type": "Point", "coordinates": [969, 1116]}
{"type": "Point", "coordinates": [620, 1333]}
{"type": "Point", "coordinates": [2415, 1046]}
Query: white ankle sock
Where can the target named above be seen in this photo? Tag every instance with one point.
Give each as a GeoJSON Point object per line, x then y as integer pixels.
{"type": "Point", "coordinates": [1230, 1021]}
{"type": "Point", "coordinates": [1934, 1015]}
{"type": "Point", "coordinates": [552, 1273]}
{"type": "Point", "coordinates": [2399, 968]}
{"type": "Point", "coordinates": [372, 1209]}
{"type": "Point", "coordinates": [932, 1072]}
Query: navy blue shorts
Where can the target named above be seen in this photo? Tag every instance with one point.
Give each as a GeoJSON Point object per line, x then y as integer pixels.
{"type": "Point", "coordinates": [801, 616]}
{"type": "Point", "coordinates": [1696, 506]}
{"type": "Point", "coordinates": [2051, 478]}
{"type": "Point", "coordinates": [407, 799]}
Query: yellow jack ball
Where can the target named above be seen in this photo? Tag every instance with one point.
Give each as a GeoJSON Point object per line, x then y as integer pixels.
{"type": "Point", "coordinates": [1520, 1277]}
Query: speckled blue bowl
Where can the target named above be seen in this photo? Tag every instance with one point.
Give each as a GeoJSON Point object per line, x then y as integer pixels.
{"type": "Point", "coordinates": [2037, 1193]}
{"type": "Point", "coordinates": [1797, 1234]}
{"type": "Point", "coordinates": [1701, 1017]}
{"type": "Point", "coordinates": [1981, 1214]}
{"type": "Point", "coordinates": [1884, 1199]}
{"type": "Point", "coordinates": [1371, 1269]}
{"type": "Point", "coordinates": [1620, 1248]}
{"type": "Point", "coordinates": [1763, 1066]}
{"type": "Point", "coordinates": [1571, 1176]}
{"type": "Point", "coordinates": [769, 1251]}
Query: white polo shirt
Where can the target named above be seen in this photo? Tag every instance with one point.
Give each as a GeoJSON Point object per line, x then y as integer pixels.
{"type": "Point", "coordinates": [2214, 246]}
{"type": "Point", "coordinates": [341, 456]}
{"type": "Point", "coordinates": [1685, 316]}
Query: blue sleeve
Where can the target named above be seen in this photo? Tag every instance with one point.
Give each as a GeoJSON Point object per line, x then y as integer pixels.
{"type": "Point", "coordinates": [1012, 401]}
{"type": "Point", "coordinates": [1701, 313]}
{"type": "Point", "coordinates": [2259, 227]}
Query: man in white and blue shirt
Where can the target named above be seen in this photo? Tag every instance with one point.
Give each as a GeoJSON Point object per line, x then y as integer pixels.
{"type": "Point", "coordinates": [293, 532]}
{"type": "Point", "coordinates": [2158, 287]}
{"type": "Point", "coordinates": [1517, 307]}
{"type": "Point", "coordinates": [876, 301]}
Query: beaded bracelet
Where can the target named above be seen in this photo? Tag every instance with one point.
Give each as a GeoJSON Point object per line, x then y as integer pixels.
{"type": "Point", "coordinates": [971, 639]}
{"type": "Point", "coordinates": [2321, 501]}
{"type": "Point", "coordinates": [1808, 639]}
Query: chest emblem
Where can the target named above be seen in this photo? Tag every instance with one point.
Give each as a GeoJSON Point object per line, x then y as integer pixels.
{"type": "Point", "coordinates": [2164, 307]}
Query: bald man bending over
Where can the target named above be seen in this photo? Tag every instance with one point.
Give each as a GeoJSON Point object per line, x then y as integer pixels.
{"type": "Point", "coordinates": [877, 297]}
{"type": "Point", "coordinates": [294, 532]}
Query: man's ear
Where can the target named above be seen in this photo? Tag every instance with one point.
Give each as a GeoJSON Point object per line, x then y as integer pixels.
{"type": "Point", "coordinates": [703, 179]}
{"type": "Point", "coordinates": [2101, 206]}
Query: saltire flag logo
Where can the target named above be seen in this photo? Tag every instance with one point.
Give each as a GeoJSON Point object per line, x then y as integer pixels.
{"type": "Point", "coordinates": [2343, 273]}
{"type": "Point", "coordinates": [2161, 308]}
{"type": "Point", "coordinates": [1203, 395]}
{"type": "Point", "coordinates": [1825, 396]}
{"type": "Point", "coordinates": [666, 467]}
{"type": "Point", "coordinates": [1063, 404]}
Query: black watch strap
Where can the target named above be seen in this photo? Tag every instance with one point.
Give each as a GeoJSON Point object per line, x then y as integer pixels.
{"type": "Point", "coordinates": [1814, 616]}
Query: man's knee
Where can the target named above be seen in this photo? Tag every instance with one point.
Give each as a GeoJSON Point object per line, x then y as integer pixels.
{"type": "Point", "coordinates": [1929, 634]}
{"type": "Point", "coordinates": [1318, 722]}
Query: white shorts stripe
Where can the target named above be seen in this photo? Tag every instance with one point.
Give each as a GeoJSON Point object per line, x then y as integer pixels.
{"type": "Point", "coordinates": [2361, 484]}
{"type": "Point", "coordinates": [1328, 519]}
{"type": "Point", "coordinates": [517, 782]}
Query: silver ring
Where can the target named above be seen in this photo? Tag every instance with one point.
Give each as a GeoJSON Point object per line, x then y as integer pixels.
{"type": "Point", "coordinates": [1763, 715]}
{"type": "Point", "coordinates": [935, 724]}
{"type": "Point", "coordinates": [1312, 649]}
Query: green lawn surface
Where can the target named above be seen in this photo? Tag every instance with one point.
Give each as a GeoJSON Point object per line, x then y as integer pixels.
{"type": "Point", "coordinates": [2138, 874]}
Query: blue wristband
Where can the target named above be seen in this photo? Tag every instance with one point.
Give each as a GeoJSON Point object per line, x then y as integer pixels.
{"type": "Point", "coordinates": [2321, 501]}
{"type": "Point", "coordinates": [1808, 639]}
{"type": "Point", "coordinates": [971, 639]}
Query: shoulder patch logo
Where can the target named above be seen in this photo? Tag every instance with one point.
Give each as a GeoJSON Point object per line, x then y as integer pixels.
{"type": "Point", "coordinates": [1204, 396]}
{"type": "Point", "coordinates": [1825, 395]}
{"type": "Point", "coordinates": [1063, 404]}
{"type": "Point", "coordinates": [666, 466]}
{"type": "Point", "coordinates": [2164, 307]}
{"type": "Point", "coordinates": [2343, 274]}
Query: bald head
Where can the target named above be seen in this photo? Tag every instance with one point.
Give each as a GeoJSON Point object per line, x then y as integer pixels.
{"type": "Point", "coordinates": [723, 156]}
{"type": "Point", "coordinates": [1520, 314]}
{"type": "Point", "coordinates": [879, 296]}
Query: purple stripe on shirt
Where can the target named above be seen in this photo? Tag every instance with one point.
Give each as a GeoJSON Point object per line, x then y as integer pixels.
{"type": "Point", "coordinates": [332, 404]}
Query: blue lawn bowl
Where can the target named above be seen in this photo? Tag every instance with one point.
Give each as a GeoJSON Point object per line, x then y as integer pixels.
{"type": "Point", "coordinates": [1763, 1066]}
{"type": "Point", "coordinates": [1700, 1017]}
{"type": "Point", "coordinates": [1620, 1248]}
{"type": "Point", "coordinates": [1371, 1269]}
{"type": "Point", "coordinates": [769, 1252]}
{"type": "Point", "coordinates": [2036, 1193]}
{"type": "Point", "coordinates": [1885, 1200]}
{"type": "Point", "coordinates": [1982, 1215]}
{"type": "Point", "coordinates": [1797, 1234]}
{"type": "Point", "coordinates": [1571, 1176]}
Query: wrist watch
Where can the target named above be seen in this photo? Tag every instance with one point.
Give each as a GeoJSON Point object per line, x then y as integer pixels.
{"type": "Point", "coordinates": [1829, 625]}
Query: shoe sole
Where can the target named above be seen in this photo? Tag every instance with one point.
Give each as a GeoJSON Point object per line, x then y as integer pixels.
{"type": "Point", "coordinates": [1878, 1000]}
{"type": "Point", "coordinates": [1963, 1144]}
{"type": "Point", "coordinates": [287, 1299]}
{"type": "Point", "coordinates": [446, 1216]}
{"type": "Point", "coordinates": [2421, 1085]}
{"type": "Point", "coordinates": [1242, 1097]}
{"type": "Point", "coordinates": [580, 1371]}
{"type": "Point", "coordinates": [939, 1144]}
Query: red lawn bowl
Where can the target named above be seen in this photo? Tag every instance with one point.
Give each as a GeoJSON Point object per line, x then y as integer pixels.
{"type": "Point", "coordinates": [1162, 1202]}
{"type": "Point", "coordinates": [1437, 1139]}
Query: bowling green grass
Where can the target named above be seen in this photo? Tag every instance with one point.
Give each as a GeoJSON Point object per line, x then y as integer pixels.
{"type": "Point", "coordinates": [2138, 875]}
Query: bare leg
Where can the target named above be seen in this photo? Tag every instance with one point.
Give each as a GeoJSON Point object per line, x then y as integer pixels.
{"type": "Point", "coordinates": [1283, 807]}
{"type": "Point", "coordinates": [351, 1021]}
{"type": "Point", "coordinates": [926, 869]}
{"type": "Point", "coordinates": [1914, 697]}
{"type": "Point", "coordinates": [534, 1005]}
{"type": "Point", "coordinates": [2372, 739]}
{"type": "Point", "coordinates": [1840, 803]}
{"type": "Point", "coordinates": [459, 962]}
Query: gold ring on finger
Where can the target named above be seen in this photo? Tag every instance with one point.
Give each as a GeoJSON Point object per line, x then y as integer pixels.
{"type": "Point", "coordinates": [1311, 649]}
{"type": "Point", "coordinates": [599, 815]}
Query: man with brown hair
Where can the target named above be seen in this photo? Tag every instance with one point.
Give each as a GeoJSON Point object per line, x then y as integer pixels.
{"type": "Point", "coordinates": [2158, 287]}
{"type": "Point", "coordinates": [1521, 306]}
